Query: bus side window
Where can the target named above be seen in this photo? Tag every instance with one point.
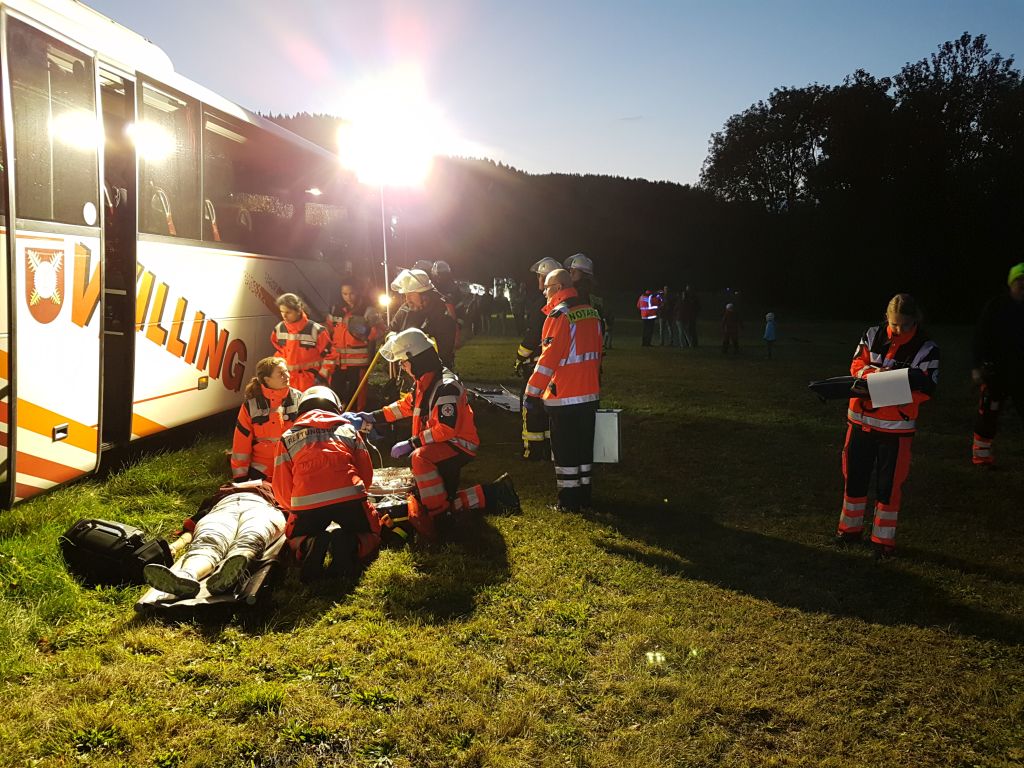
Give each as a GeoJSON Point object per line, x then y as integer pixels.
{"type": "Point", "coordinates": [225, 217]}
{"type": "Point", "coordinates": [56, 131]}
{"type": "Point", "coordinates": [167, 143]}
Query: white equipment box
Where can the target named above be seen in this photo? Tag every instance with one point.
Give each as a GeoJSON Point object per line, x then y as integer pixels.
{"type": "Point", "coordinates": [607, 437]}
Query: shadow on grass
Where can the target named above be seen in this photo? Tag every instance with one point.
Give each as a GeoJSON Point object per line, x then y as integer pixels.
{"type": "Point", "coordinates": [843, 583]}
{"type": "Point", "coordinates": [449, 576]}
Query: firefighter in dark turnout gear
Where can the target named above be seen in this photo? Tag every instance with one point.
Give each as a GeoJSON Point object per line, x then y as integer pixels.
{"type": "Point", "coordinates": [879, 438]}
{"type": "Point", "coordinates": [998, 367]}
{"type": "Point", "coordinates": [536, 432]}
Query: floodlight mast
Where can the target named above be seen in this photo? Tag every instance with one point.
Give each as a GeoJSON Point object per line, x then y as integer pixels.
{"type": "Point", "coordinates": [384, 233]}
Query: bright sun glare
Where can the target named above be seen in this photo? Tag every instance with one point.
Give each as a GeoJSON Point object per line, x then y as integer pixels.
{"type": "Point", "coordinates": [392, 131]}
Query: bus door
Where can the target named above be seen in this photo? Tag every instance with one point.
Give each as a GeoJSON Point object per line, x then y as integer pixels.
{"type": "Point", "coordinates": [117, 95]}
{"type": "Point", "coordinates": [52, 127]}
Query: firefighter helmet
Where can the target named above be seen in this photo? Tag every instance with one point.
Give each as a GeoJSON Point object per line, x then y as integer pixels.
{"type": "Point", "coordinates": [545, 265]}
{"type": "Point", "coordinates": [319, 398]}
{"type": "Point", "coordinates": [580, 262]}
{"type": "Point", "coordinates": [440, 268]}
{"type": "Point", "coordinates": [412, 281]}
{"type": "Point", "coordinates": [405, 345]}
{"type": "Point", "coordinates": [425, 264]}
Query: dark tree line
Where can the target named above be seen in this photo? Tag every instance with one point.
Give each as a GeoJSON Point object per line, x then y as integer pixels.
{"type": "Point", "coordinates": [911, 182]}
{"type": "Point", "coordinates": [823, 199]}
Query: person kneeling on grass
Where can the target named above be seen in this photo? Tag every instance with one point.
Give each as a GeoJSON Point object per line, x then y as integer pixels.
{"type": "Point", "coordinates": [444, 437]}
{"type": "Point", "coordinates": [229, 532]}
{"type": "Point", "coordinates": [321, 474]}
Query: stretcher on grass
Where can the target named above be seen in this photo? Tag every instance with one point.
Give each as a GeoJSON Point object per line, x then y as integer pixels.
{"type": "Point", "coordinates": [249, 592]}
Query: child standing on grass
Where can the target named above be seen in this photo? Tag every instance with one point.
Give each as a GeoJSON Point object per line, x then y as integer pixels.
{"type": "Point", "coordinates": [769, 332]}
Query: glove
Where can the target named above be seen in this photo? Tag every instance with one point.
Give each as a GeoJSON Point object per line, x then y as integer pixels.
{"type": "Point", "coordinates": [532, 403]}
{"type": "Point", "coordinates": [398, 450]}
{"type": "Point", "coordinates": [364, 418]}
{"type": "Point", "coordinates": [353, 419]}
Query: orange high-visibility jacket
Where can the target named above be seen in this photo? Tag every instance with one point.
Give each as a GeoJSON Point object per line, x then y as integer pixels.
{"type": "Point", "coordinates": [261, 422]}
{"type": "Point", "coordinates": [440, 412]}
{"type": "Point", "coordinates": [306, 348]}
{"type": "Point", "coordinates": [568, 371]}
{"type": "Point", "coordinates": [879, 350]}
{"type": "Point", "coordinates": [348, 351]}
{"type": "Point", "coordinates": [649, 304]}
{"type": "Point", "coordinates": [321, 460]}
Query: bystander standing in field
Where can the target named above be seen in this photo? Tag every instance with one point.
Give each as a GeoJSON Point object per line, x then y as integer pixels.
{"type": "Point", "coordinates": [769, 332]}
{"type": "Point", "coordinates": [665, 324]}
{"type": "Point", "coordinates": [998, 364]}
{"type": "Point", "coordinates": [730, 329]}
{"type": "Point", "coordinates": [566, 381]}
{"type": "Point", "coordinates": [878, 438]}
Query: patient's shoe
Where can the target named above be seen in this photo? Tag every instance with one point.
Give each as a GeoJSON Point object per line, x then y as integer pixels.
{"type": "Point", "coordinates": [228, 574]}
{"type": "Point", "coordinates": [506, 500]}
{"type": "Point", "coordinates": [172, 582]}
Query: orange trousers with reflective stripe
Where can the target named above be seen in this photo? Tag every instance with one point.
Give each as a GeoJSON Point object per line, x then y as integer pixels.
{"type": "Point", "coordinates": [888, 455]}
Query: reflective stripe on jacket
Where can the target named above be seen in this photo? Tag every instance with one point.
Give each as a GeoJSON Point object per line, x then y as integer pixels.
{"type": "Point", "coordinates": [440, 411]}
{"type": "Point", "coordinates": [306, 348]}
{"type": "Point", "coordinates": [321, 460]}
{"type": "Point", "coordinates": [880, 350]}
{"type": "Point", "coordinates": [261, 422]}
{"type": "Point", "coordinates": [649, 304]}
{"type": "Point", "coordinates": [568, 371]}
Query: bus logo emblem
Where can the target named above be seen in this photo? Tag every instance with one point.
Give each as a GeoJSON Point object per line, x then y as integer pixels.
{"type": "Point", "coordinates": [43, 290]}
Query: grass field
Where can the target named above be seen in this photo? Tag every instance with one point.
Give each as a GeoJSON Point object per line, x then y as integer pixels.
{"type": "Point", "coordinates": [698, 618]}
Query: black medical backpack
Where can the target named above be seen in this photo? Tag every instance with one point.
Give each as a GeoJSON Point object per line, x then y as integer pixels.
{"type": "Point", "coordinates": [102, 552]}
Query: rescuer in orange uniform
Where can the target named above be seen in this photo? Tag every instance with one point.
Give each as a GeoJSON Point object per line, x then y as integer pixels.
{"type": "Point", "coordinates": [352, 326]}
{"type": "Point", "coordinates": [536, 430]}
{"type": "Point", "coordinates": [879, 438]}
{"type": "Point", "coordinates": [649, 305]}
{"type": "Point", "coordinates": [269, 409]}
{"type": "Point", "coordinates": [321, 475]}
{"type": "Point", "coordinates": [305, 345]}
{"type": "Point", "coordinates": [567, 379]}
{"type": "Point", "coordinates": [444, 437]}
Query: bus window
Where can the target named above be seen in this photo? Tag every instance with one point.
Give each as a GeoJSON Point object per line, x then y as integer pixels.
{"type": "Point", "coordinates": [167, 142]}
{"type": "Point", "coordinates": [56, 132]}
{"type": "Point", "coordinates": [225, 217]}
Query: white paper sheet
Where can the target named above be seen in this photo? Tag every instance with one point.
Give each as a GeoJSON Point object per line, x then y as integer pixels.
{"type": "Point", "coordinates": [890, 388]}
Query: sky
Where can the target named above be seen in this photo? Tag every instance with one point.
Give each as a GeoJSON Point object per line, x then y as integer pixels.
{"type": "Point", "coordinates": [630, 89]}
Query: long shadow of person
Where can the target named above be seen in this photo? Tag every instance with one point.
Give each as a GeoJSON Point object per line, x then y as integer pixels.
{"type": "Point", "coordinates": [787, 573]}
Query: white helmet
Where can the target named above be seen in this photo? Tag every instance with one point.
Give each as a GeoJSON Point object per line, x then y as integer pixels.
{"type": "Point", "coordinates": [580, 262]}
{"type": "Point", "coordinates": [440, 268]}
{"type": "Point", "coordinates": [405, 345]}
{"type": "Point", "coordinates": [412, 281]}
{"type": "Point", "coordinates": [319, 399]}
{"type": "Point", "coordinates": [545, 265]}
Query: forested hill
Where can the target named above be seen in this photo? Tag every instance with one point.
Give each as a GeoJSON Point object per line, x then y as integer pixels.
{"type": "Point", "coordinates": [823, 198]}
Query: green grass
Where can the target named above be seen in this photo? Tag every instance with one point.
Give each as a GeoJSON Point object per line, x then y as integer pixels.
{"type": "Point", "coordinates": [699, 618]}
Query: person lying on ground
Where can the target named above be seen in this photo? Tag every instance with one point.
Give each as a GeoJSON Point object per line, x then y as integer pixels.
{"type": "Point", "coordinates": [230, 531]}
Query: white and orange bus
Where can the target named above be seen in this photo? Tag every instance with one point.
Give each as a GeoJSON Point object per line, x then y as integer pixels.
{"type": "Point", "coordinates": [148, 225]}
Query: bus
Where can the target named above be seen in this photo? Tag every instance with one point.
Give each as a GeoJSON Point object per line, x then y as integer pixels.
{"type": "Point", "coordinates": [148, 226]}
